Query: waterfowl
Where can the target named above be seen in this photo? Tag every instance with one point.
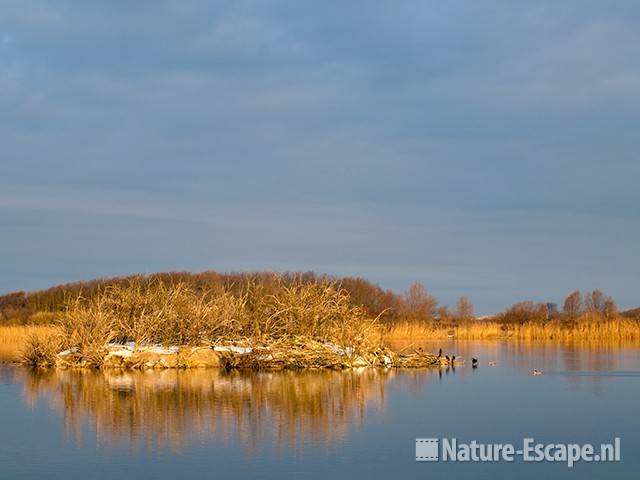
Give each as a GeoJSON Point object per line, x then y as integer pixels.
{"type": "Point", "coordinates": [447, 357]}
{"type": "Point", "coordinates": [474, 362]}
{"type": "Point", "coordinates": [492, 363]}
{"type": "Point", "coordinates": [536, 372]}
{"type": "Point", "coordinates": [440, 353]}
{"type": "Point", "coordinates": [453, 359]}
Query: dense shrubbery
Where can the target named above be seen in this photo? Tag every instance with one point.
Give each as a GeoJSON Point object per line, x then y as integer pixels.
{"type": "Point", "coordinates": [415, 305]}
{"type": "Point", "coordinates": [20, 307]}
{"type": "Point", "coordinates": [155, 313]}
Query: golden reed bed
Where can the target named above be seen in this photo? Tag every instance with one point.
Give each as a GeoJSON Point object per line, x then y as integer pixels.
{"type": "Point", "coordinates": [586, 328]}
{"type": "Point", "coordinates": [13, 339]}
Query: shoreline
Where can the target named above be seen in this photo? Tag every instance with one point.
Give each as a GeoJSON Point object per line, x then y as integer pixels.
{"type": "Point", "coordinates": [299, 355]}
{"type": "Point", "coordinates": [392, 351]}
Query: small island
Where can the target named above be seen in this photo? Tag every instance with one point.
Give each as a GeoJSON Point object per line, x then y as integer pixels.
{"type": "Point", "coordinates": [270, 321]}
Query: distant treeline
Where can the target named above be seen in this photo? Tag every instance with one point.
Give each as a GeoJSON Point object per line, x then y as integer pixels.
{"type": "Point", "coordinates": [413, 305]}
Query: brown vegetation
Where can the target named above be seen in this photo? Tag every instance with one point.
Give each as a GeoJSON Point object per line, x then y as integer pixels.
{"type": "Point", "coordinates": [42, 306]}
{"type": "Point", "coordinates": [15, 339]}
{"type": "Point", "coordinates": [588, 326]}
{"type": "Point", "coordinates": [300, 325]}
{"type": "Point", "coordinates": [181, 308]}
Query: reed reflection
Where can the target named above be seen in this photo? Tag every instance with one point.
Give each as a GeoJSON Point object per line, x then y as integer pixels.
{"type": "Point", "coordinates": [171, 408]}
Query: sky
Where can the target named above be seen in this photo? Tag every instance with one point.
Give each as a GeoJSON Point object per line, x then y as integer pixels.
{"type": "Point", "coordinates": [486, 149]}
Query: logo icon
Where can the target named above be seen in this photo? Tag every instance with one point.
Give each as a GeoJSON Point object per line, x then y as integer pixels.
{"type": "Point", "coordinates": [426, 449]}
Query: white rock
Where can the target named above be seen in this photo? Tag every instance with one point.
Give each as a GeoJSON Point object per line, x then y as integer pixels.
{"type": "Point", "coordinates": [159, 349]}
{"type": "Point", "coordinates": [122, 346]}
{"type": "Point", "coordinates": [64, 353]}
{"type": "Point", "coordinates": [126, 353]}
{"type": "Point", "coordinates": [232, 348]}
{"type": "Point", "coordinates": [348, 351]}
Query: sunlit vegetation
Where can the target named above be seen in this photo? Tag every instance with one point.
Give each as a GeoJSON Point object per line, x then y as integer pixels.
{"type": "Point", "coordinates": [14, 339]}
{"type": "Point", "coordinates": [594, 317]}
{"type": "Point", "coordinates": [181, 308]}
{"type": "Point", "coordinates": [586, 327]}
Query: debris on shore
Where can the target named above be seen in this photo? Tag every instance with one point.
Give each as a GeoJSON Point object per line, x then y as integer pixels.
{"type": "Point", "coordinates": [292, 354]}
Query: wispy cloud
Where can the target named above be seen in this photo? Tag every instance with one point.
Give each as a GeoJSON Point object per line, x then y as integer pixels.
{"type": "Point", "coordinates": [317, 129]}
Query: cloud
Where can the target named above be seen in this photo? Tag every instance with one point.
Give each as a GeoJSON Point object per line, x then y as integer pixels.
{"type": "Point", "coordinates": [173, 113]}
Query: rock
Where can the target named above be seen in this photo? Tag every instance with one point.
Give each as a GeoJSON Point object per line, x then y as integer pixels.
{"type": "Point", "coordinates": [202, 358]}
{"type": "Point", "coordinates": [168, 361]}
{"type": "Point", "coordinates": [121, 346]}
{"type": "Point", "coordinates": [68, 352]}
{"type": "Point", "coordinates": [232, 349]}
{"type": "Point", "coordinates": [159, 349]}
{"type": "Point", "coordinates": [338, 350]}
{"type": "Point", "coordinates": [114, 361]}
{"type": "Point", "coordinates": [359, 361]}
{"type": "Point", "coordinates": [145, 359]}
{"type": "Point", "coordinates": [117, 358]}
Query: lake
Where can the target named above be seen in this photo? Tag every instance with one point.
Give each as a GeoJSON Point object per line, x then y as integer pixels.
{"type": "Point", "coordinates": [323, 424]}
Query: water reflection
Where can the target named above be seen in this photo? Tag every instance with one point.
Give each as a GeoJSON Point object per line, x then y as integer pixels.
{"type": "Point", "coordinates": [173, 407]}
{"type": "Point", "coordinates": [320, 424]}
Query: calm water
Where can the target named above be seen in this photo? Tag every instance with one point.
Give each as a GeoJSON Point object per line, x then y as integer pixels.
{"type": "Point", "coordinates": [205, 424]}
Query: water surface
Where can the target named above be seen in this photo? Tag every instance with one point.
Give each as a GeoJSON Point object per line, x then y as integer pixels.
{"type": "Point", "coordinates": [321, 424]}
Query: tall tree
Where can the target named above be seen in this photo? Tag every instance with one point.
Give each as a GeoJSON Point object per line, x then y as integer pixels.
{"type": "Point", "coordinates": [595, 301]}
{"type": "Point", "coordinates": [573, 304]}
{"type": "Point", "coordinates": [418, 304]}
{"type": "Point", "coordinates": [464, 309]}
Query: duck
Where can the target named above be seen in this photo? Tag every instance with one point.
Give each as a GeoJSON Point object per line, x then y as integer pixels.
{"type": "Point", "coordinates": [492, 363]}
{"type": "Point", "coordinates": [536, 372]}
{"type": "Point", "coordinates": [474, 362]}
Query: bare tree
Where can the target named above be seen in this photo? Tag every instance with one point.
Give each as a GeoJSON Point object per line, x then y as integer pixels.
{"type": "Point", "coordinates": [594, 301]}
{"type": "Point", "coordinates": [464, 309]}
{"type": "Point", "coordinates": [610, 308]}
{"type": "Point", "coordinates": [573, 304]}
{"type": "Point", "coordinates": [523, 312]}
{"type": "Point", "coordinates": [443, 314]}
{"type": "Point", "coordinates": [418, 303]}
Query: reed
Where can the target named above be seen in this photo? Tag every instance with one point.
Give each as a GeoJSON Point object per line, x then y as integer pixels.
{"type": "Point", "coordinates": [587, 327]}
{"type": "Point", "coordinates": [15, 340]}
{"type": "Point", "coordinates": [156, 313]}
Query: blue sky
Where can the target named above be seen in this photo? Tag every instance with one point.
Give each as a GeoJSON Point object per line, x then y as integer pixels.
{"type": "Point", "coordinates": [482, 148]}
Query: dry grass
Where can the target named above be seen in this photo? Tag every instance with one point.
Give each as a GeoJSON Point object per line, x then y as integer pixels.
{"type": "Point", "coordinates": [15, 339]}
{"type": "Point", "coordinates": [587, 327]}
{"type": "Point", "coordinates": [296, 322]}
{"type": "Point", "coordinates": [155, 313]}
